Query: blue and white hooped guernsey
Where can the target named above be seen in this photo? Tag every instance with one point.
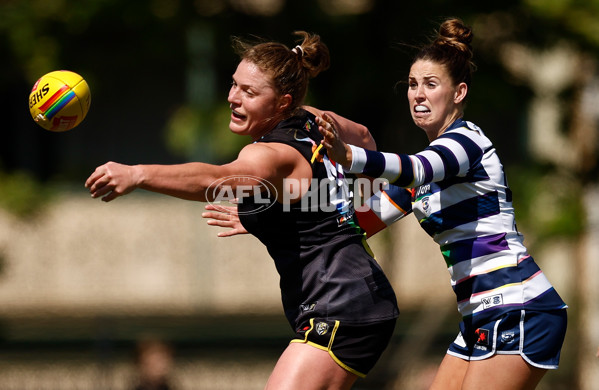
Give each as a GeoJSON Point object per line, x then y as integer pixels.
{"type": "Point", "coordinates": [461, 199]}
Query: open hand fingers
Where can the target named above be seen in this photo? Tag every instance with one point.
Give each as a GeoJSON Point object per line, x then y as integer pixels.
{"type": "Point", "coordinates": [217, 219]}
{"type": "Point", "coordinates": [225, 211]}
{"type": "Point", "coordinates": [327, 130]}
{"type": "Point", "coordinates": [224, 216]}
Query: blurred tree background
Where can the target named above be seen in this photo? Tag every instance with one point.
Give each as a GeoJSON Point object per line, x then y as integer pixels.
{"type": "Point", "coordinates": [159, 73]}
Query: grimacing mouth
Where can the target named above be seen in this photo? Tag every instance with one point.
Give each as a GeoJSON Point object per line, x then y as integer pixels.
{"type": "Point", "coordinates": [236, 114]}
{"type": "Point", "coordinates": [421, 108]}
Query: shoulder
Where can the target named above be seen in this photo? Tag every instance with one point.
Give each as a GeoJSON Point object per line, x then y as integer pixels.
{"type": "Point", "coordinates": [463, 127]}
{"type": "Point", "coordinates": [466, 132]}
{"type": "Point", "coordinates": [273, 162]}
{"type": "Point", "coordinates": [268, 152]}
{"type": "Point", "coordinates": [270, 159]}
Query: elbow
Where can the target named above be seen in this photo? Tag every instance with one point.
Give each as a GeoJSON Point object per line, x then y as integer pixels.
{"type": "Point", "coordinates": [367, 139]}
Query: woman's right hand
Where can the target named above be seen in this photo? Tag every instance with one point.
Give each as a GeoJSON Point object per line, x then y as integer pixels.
{"type": "Point", "coordinates": [112, 180]}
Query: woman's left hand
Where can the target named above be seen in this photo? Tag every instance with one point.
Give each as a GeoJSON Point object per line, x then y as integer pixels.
{"type": "Point", "coordinates": [224, 216]}
{"type": "Point", "coordinates": [337, 150]}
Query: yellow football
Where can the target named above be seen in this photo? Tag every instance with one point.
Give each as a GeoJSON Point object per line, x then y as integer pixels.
{"type": "Point", "coordinates": [59, 100]}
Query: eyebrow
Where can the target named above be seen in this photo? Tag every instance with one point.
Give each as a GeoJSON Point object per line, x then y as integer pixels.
{"type": "Point", "coordinates": [256, 88]}
{"type": "Point", "coordinates": [426, 77]}
{"type": "Point", "coordinates": [241, 85]}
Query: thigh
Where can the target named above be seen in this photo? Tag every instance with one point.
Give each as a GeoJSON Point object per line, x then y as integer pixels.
{"type": "Point", "coordinates": [450, 374]}
{"type": "Point", "coordinates": [304, 367]}
{"type": "Point", "coordinates": [505, 372]}
{"type": "Point", "coordinates": [502, 372]}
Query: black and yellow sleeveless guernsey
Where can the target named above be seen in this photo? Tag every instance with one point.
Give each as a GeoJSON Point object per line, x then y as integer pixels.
{"type": "Point", "coordinates": [319, 250]}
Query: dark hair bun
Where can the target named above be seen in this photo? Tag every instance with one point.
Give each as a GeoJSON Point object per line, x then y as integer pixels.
{"type": "Point", "coordinates": [452, 48]}
{"type": "Point", "coordinates": [454, 33]}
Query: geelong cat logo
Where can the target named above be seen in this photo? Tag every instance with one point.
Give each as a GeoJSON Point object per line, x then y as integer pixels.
{"type": "Point", "coordinates": [232, 188]}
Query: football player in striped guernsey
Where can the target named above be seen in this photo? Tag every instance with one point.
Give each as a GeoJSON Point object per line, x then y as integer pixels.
{"type": "Point", "coordinates": [514, 321]}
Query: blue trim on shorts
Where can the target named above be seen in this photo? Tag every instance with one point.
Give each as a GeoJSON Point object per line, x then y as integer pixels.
{"type": "Point", "coordinates": [537, 336]}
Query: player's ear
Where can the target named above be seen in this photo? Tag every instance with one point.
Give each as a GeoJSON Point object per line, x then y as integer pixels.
{"type": "Point", "coordinates": [460, 93]}
{"type": "Point", "coordinates": [285, 102]}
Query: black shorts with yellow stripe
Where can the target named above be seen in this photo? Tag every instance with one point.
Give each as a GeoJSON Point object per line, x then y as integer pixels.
{"type": "Point", "coordinates": [356, 348]}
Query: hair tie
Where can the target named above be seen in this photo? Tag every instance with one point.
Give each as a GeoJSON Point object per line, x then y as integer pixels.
{"type": "Point", "coordinates": [299, 52]}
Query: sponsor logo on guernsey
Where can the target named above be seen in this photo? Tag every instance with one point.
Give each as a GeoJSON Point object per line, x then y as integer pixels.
{"type": "Point", "coordinates": [426, 206]}
{"type": "Point", "coordinates": [419, 195]}
{"type": "Point", "coordinates": [322, 328]}
{"type": "Point", "coordinates": [423, 189]}
{"type": "Point", "coordinates": [345, 219]}
{"type": "Point", "coordinates": [492, 301]}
